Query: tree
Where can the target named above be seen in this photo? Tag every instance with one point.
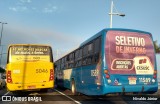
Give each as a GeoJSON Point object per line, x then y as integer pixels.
{"type": "Point", "coordinates": [156, 47]}
{"type": "Point", "coordinates": [2, 70]}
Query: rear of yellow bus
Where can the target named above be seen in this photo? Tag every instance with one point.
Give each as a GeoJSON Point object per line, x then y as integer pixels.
{"type": "Point", "coordinates": [29, 67]}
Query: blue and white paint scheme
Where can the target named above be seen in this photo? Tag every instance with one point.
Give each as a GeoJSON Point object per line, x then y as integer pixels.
{"type": "Point", "coordinates": [101, 65]}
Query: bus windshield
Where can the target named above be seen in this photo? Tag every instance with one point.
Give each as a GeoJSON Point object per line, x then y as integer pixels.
{"type": "Point", "coordinates": [129, 53]}
{"type": "Point", "coordinates": [24, 53]}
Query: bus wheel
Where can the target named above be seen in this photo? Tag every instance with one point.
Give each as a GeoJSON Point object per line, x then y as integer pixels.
{"type": "Point", "coordinates": [73, 88]}
{"type": "Point", "coordinates": [56, 83]}
{"type": "Point", "coordinates": [1, 86]}
{"type": "Point", "coordinates": [44, 90]}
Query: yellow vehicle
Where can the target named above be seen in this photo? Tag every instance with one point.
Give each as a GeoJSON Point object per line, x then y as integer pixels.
{"type": "Point", "coordinates": [29, 67]}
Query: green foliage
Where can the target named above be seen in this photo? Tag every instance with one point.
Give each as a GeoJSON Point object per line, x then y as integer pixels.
{"type": "Point", "coordinates": [2, 70]}
{"type": "Point", "coordinates": [156, 47]}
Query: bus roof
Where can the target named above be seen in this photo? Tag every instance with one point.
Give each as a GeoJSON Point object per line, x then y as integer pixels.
{"type": "Point", "coordinates": [102, 33]}
{"type": "Point", "coordinates": [29, 45]}
{"type": "Point", "coordinates": [115, 29]}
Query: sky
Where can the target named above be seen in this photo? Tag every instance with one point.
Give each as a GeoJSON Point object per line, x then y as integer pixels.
{"type": "Point", "coordinates": [64, 24]}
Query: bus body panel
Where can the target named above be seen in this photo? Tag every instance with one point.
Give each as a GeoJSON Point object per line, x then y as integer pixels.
{"type": "Point", "coordinates": [67, 77]}
{"type": "Point", "coordinates": [37, 76]}
{"type": "Point", "coordinates": [86, 79]}
{"type": "Point", "coordinates": [30, 74]}
{"type": "Point", "coordinates": [142, 82]}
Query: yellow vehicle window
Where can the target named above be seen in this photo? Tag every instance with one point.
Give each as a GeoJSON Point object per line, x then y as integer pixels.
{"type": "Point", "coordinates": [29, 53]}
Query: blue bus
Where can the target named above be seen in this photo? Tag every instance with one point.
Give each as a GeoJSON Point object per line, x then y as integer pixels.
{"type": "Point", "coordinates": [158, 68]}
{"type": "Point", "coordinates": [111, 61]}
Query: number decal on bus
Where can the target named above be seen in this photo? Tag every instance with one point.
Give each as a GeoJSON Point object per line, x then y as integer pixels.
{"type": "Point", "coordinates": [145, 80]}
{"type": "Point", "coordinates": [41, 71]}
{"type": "Point", "coordinates": [36, 58]}
{"type": "Point", "coordinates": [94, 72]}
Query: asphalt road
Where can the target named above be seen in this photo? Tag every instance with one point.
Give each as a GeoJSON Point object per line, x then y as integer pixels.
{"type": "Point", "coordinates": [64, 96]}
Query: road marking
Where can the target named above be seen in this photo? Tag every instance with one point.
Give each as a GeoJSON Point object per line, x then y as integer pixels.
{"type": "Point", "coordinates": [6, 93]}
{"type": "Point", "coordinates": [68, 97]}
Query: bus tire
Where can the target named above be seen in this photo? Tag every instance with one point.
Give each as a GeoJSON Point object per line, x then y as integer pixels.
{"type": "Point", "coordinates": [44, 90]}
{"type": "Point", "coordinates": [15, 92]}
{"type": "Point", "coordinates": [73, 88]}
{"type": "Point", "coordinates": [56, 83]}
{"type": "Point", "coordinates": [0, 85]}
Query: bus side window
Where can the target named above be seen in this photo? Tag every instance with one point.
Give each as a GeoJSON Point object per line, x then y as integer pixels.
{"type": "Point", "coordinates": [90, 53]}
{"type": "Point", "coordinates": [62, 63]}
{"type": "Point", "coordinates": [97, 50]}
{"type": "Point", "coordinates": [90, 49]}
{"type": "Point", "coordinates": [85, 55]}
{"type": "Point", "coordinates": [67, 61]}
{"type": "Point", "coordinates": [80, 57]}
{"type": "Point", "coordinates": [76, 58]}
{"type": "Point", "coordinates": [71, 60]}
{"type": "Point", "coordinates": [65, 65]}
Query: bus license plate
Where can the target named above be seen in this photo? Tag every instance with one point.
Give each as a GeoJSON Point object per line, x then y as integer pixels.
{"type": "Point", "coordinates": [31, 87]}
{"type": "Point", "coordinates": [132, 82]}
